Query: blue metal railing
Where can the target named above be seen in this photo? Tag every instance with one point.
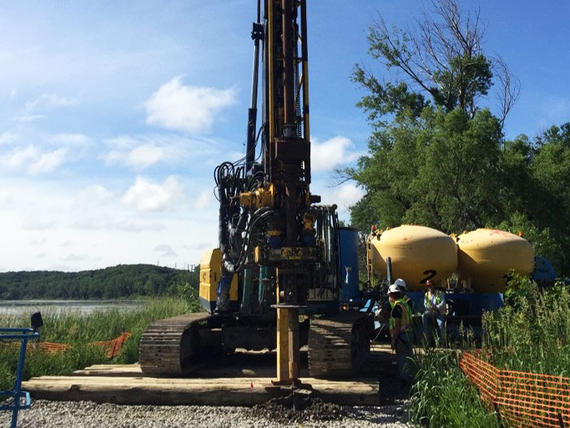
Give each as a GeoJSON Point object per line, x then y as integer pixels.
{"type": "Point", "coordinates": [20, 399]}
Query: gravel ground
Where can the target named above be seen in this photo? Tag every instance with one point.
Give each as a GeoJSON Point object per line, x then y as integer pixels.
{"type": "Point", "coordinates": [88, 414]}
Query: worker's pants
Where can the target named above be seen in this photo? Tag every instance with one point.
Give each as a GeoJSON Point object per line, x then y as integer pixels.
{"type": "Point", "coordinates": [403, 354]}
{"type": "Point", "coordinates": [431, 321]}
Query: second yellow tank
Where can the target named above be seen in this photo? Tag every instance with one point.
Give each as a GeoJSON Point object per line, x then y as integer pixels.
{"type": "Point", "coordinates": [486, 256]}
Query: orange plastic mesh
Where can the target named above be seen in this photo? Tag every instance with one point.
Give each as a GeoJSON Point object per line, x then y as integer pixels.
{"type": "Point", "coordinates": [523, 399]}
{"type": "Point", "coordinates": [53, 348]}
{"type": "Point", "coordinates": [113, 347]}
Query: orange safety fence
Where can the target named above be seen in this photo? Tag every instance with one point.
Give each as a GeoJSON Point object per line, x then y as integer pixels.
{"type": "Point", "coordinates": [522, 399]}
{"type": "Point", "coordinates": [112, 347]}
{"type": "Point", "coordinates": [52, 348]}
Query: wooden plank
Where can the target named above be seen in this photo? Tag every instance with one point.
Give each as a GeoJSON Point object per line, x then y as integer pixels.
{"type": "Point", "coordinates": [110, 370]}
{"type": "Point", "coordinates": [219, 391]}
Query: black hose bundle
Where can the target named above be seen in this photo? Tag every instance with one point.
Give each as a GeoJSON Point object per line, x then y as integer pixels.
{"type": "Point", "coordinates": [237, 225]}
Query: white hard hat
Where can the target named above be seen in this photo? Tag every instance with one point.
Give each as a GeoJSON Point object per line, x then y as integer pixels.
{"type": "Point", "coordinates": [400, 283]}
{"type": "Point", "coordinates": [394, 289]}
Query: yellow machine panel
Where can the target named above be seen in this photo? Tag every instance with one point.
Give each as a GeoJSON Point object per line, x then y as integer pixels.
{"type": "Point", "coordinates": [418, 253]}
{"type": "Point", "coordinates": [210, 272]}
{"type": "Point", "coordinates": [486, 256]}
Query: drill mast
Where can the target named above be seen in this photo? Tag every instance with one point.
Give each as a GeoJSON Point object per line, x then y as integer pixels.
{"type": "Point", "coordinates": [286, 163]}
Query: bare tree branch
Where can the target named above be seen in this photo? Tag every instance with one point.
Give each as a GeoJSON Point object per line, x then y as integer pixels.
{"type": "Point", "coordinates": [444, 58]}
{"type": "Point", "coordinates": [509, 87]}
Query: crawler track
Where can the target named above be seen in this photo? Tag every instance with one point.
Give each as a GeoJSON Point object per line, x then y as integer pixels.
{"type": "Point", "coordinates": [168, 346]}
{"type": "Point", "coordinates": [338, 346]}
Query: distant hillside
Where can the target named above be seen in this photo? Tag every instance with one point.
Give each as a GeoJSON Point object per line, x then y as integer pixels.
{"type": "Point", "coordinates": [109, 283]}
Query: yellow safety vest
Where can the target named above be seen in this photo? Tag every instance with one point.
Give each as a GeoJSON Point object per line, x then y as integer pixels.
{"type": "Point", "coordinates": [427, 299]}
{"type": "Point", "coordinates": [405, 314]}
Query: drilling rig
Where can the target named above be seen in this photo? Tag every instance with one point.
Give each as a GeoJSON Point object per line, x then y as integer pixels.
{"type": "Point", "coordinates": [275, 281]}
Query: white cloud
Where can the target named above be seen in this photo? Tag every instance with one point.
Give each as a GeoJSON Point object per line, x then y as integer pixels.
{"type": "Point", "coordinates": [44, 214]}
{"type": "Point", "coordinates": [8, 138]}
{"type": "Point", "coordinates": [19, 157]}
{"type": "Point", "coordinates": [148, 196]}
{"type": "Point", "coordinates": [347, 195]}
{"type": "Point", "coordinates": [26, 118]}
{"type": "Point", "coordinates": [33, 160]}
{"type": "Point", "coordinates": [93, 195]}
{"type": "Point", "coordinates": [5, 198]}
{"type": "Point", "coordinates": [34, 223]}
{"type": "Point", "coordinates": [72, 140]}
{"type": "Point", "coordinates": [48, 162]}
{"type": "Point", "coordinates": [344, 196]}
{"type": "Point", "coordinates": [190, 109]}
{"type": "Point", "coordinates": [165, 251]}
{"type": "Point", "coordinates": [329, 154]}
{"type": "Point", "coordinates": [50, 100]}
{"type": "Point", "coordinates": [123, 142]}
{"type": "Point", "coordinates": [101, 222]}
{"type": "Point", "coordinates": [75, 258]}
{"type": "Point", "coordinates": [204, 199]}
{"type": "Point", "coordinates": [143, 151]}
{"type": "Point", "coordinates": [139, 158]}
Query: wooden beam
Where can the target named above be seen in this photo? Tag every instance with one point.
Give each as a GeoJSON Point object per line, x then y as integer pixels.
{"type": "Point", "coordinates": [162, 391]}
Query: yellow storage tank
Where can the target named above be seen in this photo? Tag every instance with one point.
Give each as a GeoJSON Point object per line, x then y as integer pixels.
{"type": "Point", "coordinates": [418, 253]}
{"type": "Point", "coordinates": [485, 257]}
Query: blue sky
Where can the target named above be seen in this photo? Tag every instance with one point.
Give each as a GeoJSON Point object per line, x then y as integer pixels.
{"type": "Point", "coordinates": [113, 115]}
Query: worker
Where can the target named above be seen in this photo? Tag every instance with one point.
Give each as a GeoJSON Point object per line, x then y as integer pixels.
{"type": "Point", "coordinates": [434, 314]}
{"type": "Point", "coordinates": [400, 334]}
{"type": "Point", "coordinates": [403, 288]}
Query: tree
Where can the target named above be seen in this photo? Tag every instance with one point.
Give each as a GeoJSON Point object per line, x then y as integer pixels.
{"type": "Point", "coordinates": [551, 171]}
{"type": "Point", "coordinates": [439, 170]}
{"type": "Point", "coordinates": [443, 60]}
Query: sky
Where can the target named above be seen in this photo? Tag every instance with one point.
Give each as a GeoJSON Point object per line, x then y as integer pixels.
{"type": "Point", "coordinates": [113, 115]}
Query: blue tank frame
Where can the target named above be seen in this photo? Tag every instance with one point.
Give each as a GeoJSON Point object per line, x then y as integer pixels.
{"type": "Point", "coordinates": [348, 266]}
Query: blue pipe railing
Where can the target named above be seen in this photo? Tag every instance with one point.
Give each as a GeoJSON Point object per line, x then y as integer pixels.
{"type": "Point", "coordinates": [20, 399]}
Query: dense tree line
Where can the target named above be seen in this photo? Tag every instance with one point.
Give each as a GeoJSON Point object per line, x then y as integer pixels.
{"type": "Point", "coordinates": [438, 155]}
{"type": "Point", "coordinates": [109, 283]}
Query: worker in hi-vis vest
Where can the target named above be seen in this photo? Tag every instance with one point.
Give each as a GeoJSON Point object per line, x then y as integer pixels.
{"type": "Point", "coordinates": [403, 288]}
{"type": "Point", "coordinates": [434, 314]}
{"type": "Point", "coordinates": [400, 332]}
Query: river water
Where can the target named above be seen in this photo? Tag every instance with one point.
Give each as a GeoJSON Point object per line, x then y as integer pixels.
{"type": "Point", "coordinates": [83, 307]}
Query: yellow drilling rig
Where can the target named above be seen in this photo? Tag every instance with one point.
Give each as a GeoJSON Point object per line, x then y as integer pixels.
{"type": "Point", "coordinates": [279, 276]}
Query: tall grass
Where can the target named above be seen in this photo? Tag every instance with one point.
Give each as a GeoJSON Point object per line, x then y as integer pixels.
{"type": "Point", "coordinates": [532, 332]}
{"type": "Point", "coordinates": [442, 397]}
{"type": "Point", "coordinates": [79, 331]}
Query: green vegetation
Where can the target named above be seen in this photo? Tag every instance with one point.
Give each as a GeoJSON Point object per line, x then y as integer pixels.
{"type": "Point", "coordinates": [79, 331]}
{"type": "Point", "coordinates": [531, 333]}
{"type": "Point", "coordinates": [442, 397]}
{"type": "Point", "coordinates": [109, 283]}
{"type": "Point", "coordinates": [438, 155]}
